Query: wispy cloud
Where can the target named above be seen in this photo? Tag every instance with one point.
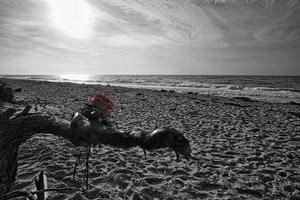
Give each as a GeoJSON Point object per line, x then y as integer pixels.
{"type": "Point", "coordinates": [157, 32]}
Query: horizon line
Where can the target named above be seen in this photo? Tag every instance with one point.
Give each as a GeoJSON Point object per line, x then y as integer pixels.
{"type": "Point", "coordinates": [149, 75]}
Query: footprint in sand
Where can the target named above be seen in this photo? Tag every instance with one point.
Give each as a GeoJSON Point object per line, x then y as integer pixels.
{"type": "Point", "coordinates": [249, 192]}
{"type": "Point", "coordinates": [206, 186]}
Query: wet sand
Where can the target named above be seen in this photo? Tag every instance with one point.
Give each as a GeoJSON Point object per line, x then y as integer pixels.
{"type": "Point", "coordinates": [245, 149]}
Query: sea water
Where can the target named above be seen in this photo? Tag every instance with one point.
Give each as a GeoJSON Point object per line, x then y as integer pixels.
{"type": "Point", "coordinates": [265, 88]}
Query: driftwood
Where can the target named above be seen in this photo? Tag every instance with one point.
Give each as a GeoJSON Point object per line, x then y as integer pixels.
{"type": "Point", "coordinates": [41, 184]}
{"type": "Point", "coordinates": [30, 195]}
{"type": "Point", "coordinates": [88, 153]}
{"type": "Point", "coordinates": [86, 133]}
{"type": "Point", "coordinates": [80, 132]}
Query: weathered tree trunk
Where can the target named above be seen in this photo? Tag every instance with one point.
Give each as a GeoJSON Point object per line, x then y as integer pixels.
{"type": "Point", "coordinates": [18, 130]}
{"type": "Point", "coordinates": [80, 132]}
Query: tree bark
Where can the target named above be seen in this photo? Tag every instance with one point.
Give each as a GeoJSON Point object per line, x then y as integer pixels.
{"type": "Point", "coordinates": [81, 132]}
{"type": "Point", "coordinates": [18, 130]}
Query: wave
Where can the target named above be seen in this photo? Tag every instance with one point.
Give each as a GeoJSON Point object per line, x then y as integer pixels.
{"type": "Point", "coordinates": [272, 89]}
{"type": "Point", "coordinates": [281, 89]}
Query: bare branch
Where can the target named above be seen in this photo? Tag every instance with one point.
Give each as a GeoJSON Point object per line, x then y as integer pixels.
{"type": "Point", "coordinates": [24, 193]}
{"type": "Point", "coordinates": [19, 193]}
{"type": "Point", "coordinates": [24, 112]}
{"type": "Point", "coordinates": [57, 190]}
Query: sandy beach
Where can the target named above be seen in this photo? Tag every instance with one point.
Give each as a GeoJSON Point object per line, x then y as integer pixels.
{"type": "Point", "coordinates": [245, 149]}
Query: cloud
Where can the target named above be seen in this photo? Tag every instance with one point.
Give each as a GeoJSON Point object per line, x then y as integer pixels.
{"type": "Point", "coordinates": [267, 4]}
{"type": "Point", "coordinates": [284, 31]}
{"type": "Point", "coordinates": [136, 40]}
{"type": "Point", "coordinates": [178, 21]}
{"type": "Point", "coordinates": [147, 33]}
{"type": "Point", "coordinates": [282, 34]}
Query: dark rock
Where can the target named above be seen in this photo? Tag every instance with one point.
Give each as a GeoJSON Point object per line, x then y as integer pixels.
{"type": "Point", "coordinates": [139, 94]}
{"type": "Point", "coordinates": [18, 90]}
{"type": "Point", "coordinates": [171, 91]}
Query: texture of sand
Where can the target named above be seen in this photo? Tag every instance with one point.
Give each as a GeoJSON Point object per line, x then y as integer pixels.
{"type": "Point", "coordinates": [246, 149]}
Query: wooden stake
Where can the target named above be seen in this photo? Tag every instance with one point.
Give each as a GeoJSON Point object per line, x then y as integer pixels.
{"type": "Point", "coordinates": [88, 152]}
{"type": "Point", "coordinates": [41, 184]}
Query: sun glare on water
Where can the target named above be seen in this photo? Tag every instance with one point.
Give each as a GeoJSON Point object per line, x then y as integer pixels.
{"type": "Point", "coordinates": [73, 17]}
{"type": "Point", "coordinates": [75, 77]}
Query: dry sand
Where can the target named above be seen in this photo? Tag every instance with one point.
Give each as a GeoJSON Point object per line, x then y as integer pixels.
{"type": "Point", "coordinates": [246, 150]}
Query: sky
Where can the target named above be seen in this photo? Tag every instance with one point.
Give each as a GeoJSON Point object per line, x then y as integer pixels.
{"type": "Point", "coordinates": [200, 37]}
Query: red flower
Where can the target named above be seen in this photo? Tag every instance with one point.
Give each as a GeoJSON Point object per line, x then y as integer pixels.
{"type": "Point", "coordinates": [102, 103]}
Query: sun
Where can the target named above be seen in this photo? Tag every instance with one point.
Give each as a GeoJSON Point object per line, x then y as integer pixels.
{"type": "Point", "coordinates": [73, 17]}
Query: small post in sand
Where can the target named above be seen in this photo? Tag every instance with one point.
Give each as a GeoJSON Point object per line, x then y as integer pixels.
{"type": "Point", "coordinates": [41, 184]}
{"type": "Point", "coordinates": [88, 152]}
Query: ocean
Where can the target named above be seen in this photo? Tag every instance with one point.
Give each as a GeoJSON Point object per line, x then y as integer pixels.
{"type": "Point", "coordinates": [264, 88]}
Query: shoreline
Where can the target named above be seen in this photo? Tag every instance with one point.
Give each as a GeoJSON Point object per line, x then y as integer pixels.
{"type": "Point", "coordinates": [255, 92]}
{"type": "Point", "coordinates": [245, 148]}
{"type": "Point", "coordinates": [160, 89]}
